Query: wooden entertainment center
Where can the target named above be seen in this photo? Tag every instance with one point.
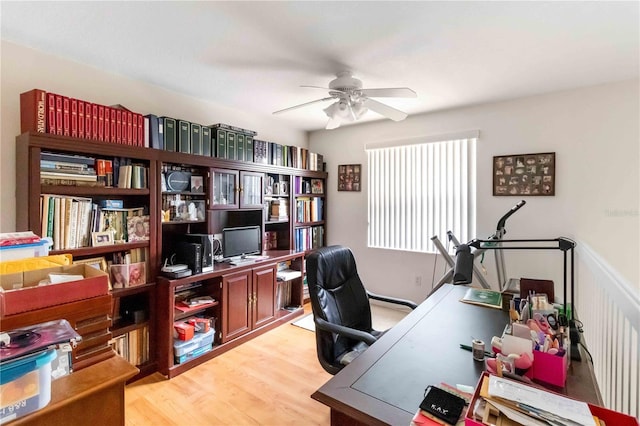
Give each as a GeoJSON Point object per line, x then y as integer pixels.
{"type": "Point", "coordinates": [245, 295]}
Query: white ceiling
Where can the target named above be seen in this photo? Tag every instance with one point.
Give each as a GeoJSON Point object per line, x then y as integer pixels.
{"type": "Point", "coordinates": [255, 55]}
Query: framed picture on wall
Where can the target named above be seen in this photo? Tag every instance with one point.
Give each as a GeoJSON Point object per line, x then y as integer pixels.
{"type": "Point", "coordinates": [525, 174]}
{"type": "Point", "coordinates": [349, 177]}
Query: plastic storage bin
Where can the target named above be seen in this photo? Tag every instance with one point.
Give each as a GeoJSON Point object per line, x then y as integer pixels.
{"type": "Point", "coordinates": [201, 343]}
{"type": "Point", "coordinates": [23, 251]}
{"type": "Point", "coordinates": [25, 384]}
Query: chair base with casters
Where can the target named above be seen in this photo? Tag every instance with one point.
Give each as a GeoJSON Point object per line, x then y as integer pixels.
{"type": "Point", "coordinates": [341, 309]}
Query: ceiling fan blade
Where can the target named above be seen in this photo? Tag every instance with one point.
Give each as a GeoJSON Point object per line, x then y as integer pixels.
{"type": "Point", "coordinates": [302, 105]}
{"type": "Point", "coordinates": [386, 110]}
{"type": "Point", "coordinates": [333, 123]}
{"type": "Point", "coordinates": [390, 92]}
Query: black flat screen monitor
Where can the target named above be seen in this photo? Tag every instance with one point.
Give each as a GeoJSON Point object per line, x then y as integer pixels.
{"type": "Point", "coordinates": [241, 241]}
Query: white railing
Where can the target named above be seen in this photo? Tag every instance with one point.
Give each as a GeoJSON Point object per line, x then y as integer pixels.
{"type": "Point", "coordinates": [609, 308]}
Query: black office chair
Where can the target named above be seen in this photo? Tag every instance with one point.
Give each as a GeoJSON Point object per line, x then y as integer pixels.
{"type": "Point", "coordinates": [341, 309]}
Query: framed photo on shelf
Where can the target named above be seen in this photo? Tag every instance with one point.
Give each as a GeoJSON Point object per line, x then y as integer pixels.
{"type": "Point", "coordinates": [197, 184]}
{"type": "Point", "coordinates": [317, 186]}
{"type": "Point", "coordinates": [525, 174]}
{"type": "Point", "coordinates": [95, 262]}
{"type": "Point", "coordinates": [138, 228]}
{"type": "Point", "coordinates": [104, 238]}
{"type": "Point", "coordinates": [349, 177]}
{"type": "Point", "coordinates": [119, 276]}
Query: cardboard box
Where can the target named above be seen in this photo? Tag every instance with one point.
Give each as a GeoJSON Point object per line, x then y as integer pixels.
{"type": "Point", "coordinates": [20, 292]}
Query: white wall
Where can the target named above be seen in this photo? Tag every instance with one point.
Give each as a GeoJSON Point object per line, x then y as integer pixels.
{"type": "Point", "coordinates": [23, 69]}
{"type": "Point", "coordinates": [593, 131]}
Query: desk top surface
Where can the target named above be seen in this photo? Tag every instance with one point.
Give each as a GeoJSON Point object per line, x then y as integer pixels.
{"type": "Point", "coordinates": [385, 384]}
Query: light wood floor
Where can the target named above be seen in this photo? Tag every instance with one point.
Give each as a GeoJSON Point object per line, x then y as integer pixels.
{"type": "Point", "coordinates": [266, 381]}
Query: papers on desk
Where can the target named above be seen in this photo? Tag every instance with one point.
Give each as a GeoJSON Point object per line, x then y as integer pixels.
{"type": "Point", "coordinates": [536, 405]}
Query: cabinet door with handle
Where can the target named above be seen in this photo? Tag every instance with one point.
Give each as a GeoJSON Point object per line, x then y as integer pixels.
{"type": "Point", "coordinates": [236, 303]}
{"type": "Point", "coordinates": [264, 295]}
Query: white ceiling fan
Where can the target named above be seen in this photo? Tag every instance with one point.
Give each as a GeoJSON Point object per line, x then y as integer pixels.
{"type": "Point", "coordinates": [352, 101]}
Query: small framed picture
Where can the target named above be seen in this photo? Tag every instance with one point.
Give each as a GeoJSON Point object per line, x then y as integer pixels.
{"type": "Point", "coordinates": [95, 262]}
{"type": "Point", "coordinates": [138, 228]}
{"type": "Point", "coordinates": [349, 177]}
{"type": "Point", "coordinates": [197, 184]}
{"type": "Point", "coordinates": [103, 238]}
{"type": "Point", "coordinates": [119, 276]}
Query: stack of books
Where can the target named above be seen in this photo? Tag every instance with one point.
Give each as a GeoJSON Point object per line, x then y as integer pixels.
{"type": "Point", "coordinates": [63, 169]}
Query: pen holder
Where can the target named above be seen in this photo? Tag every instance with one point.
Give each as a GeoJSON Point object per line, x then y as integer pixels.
{"type": "Point", "coordinates": [550, 368]}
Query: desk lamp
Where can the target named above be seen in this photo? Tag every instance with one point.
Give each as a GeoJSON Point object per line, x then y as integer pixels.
{"type": "Point", "coordinates": [463, 269]}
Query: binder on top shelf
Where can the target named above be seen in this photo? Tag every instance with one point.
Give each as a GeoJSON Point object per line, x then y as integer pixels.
{"type": "Point", "coordinates": [196, 139]}
{"type": "Point", "coordinates": [220, 142]}
{"type": "Point", "coordinates": [113, 122]}
{"type": "Point", "coordinates": [94, 121]}
{"type": "Point", "coordinates": [134, 130]}
{"type": "Point", "coordinates": [81, 119]}
{"type": "Point", "coordinates": [183, 137]}
{"type": "Point", "coordinates": [206, 142]}
{"type": "Point", "coordinates": [141, 131]}
{"type": "Point", "coordinates": [169, 127]}
{"type": "Point", "coordinates": [101, 122]}
{"type": "Point", "coordinates": [154, 131]}
{"type": "Point", "coordinates": [231, 145]}
{"type": "Point", "coordinates": [240, 147]}
{"type": "Point", "coordinates": [106, 124]}
{"type": "Point", "coordinates": [58, 114]}
{"type": "Point", "coordinates": [87, 120]}
{"type": "Point", "coordinates": [118, 126]}
{"type": "Point", "coordinates": [66, 116]}
{"type": "Point", "coordinates": [51, 113]}
{"type": "Point", "coordinates": [33, 111]}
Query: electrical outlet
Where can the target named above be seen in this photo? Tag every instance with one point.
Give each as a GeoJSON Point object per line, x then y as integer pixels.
{"type": "Point", "coordinates": [417, 280]}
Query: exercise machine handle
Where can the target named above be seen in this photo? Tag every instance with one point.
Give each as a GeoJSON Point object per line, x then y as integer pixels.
{"type": "Point", "coordinates": [504, 218]}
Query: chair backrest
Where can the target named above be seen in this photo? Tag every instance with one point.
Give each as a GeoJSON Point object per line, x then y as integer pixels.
{"type": "Point", "coordinates": [339, 297]}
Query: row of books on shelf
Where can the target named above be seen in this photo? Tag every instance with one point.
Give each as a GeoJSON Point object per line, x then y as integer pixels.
{"type": "Point", "coordinates": [66, 169]}
{"type": "Point", "coordinates": [133, 346]}
{"type": "Point", "coordinates": [309, 209]}
{"type": "Point", "coordinates": [75, 222]}
{"type": "Point", "coordinates": [308, 238]}
{"type": "Point", "coordinates": [277, 154]}
{"type": "Point", "coordinates": [304, 185]}
{"type": "Point", "coordinates": [46, 112]}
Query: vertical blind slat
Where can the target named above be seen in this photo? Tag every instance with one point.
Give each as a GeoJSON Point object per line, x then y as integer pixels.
{"type": "Point", "coordinates": [420, 190]}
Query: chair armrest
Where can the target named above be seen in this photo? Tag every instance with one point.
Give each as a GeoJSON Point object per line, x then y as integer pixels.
{"type": "Point", "coordinates": [362, 336]}
{"type": "Point", "coordinates": [394, 300]}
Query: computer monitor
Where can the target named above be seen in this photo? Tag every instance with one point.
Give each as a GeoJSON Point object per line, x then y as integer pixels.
{"type": "Point", "coordinates": [241, 241]}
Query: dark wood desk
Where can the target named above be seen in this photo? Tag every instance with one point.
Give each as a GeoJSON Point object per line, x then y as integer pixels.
{"type": "Point", "coordinates": [385, 384]}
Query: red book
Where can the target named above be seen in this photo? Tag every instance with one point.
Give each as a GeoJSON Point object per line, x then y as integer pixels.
{"type": "Point", "coordinates": [141, 138]}
{"type": "Point", "coordinates": [51, 113]}
{"type": "Point", "coordinates": [59, 124]}
{"type": "Point", "coordinates": [100, 122]}
{"type": "Point", "coordinates": [87, 120]}
{"type": "Point", "coordinates": [80, 119]}
{"type": "Point", "coordinates": [107, 124]}
{"type": "Point", "coordinates": [113, 124]}
{"type": "Point", "coordinates": [129, 127]}
{"type": "Point", "coordinates": [74, 118]}
{"type": "Point", "coordinates": [94, 121]}
{"type": "Point", "coordinates": [33, 111]}
{"type": "Point", "coordinates": [134, 129]}
{"type": "Point", "coordinates": [118, 126]}
{"type": "Point", "coordinates": [66, 116]}
{"type": "Point", "coordinates": [109, 172]}
{"type": "Point", "coordinates": [101, 171]}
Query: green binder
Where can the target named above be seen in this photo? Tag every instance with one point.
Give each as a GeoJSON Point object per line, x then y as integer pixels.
{"type": "Point", "coordinates": [231, 145]}
{"type": "Point", "coordinates": [184, 139]}
{"type": "Point", "coordinates": [240, 147]}
{"type": "Point", "coordinates": [221, 143]}
{"type": "Point", "coordinates": [206, 141]}
{"type": "Point", "coordinates": [169, 125]}
{"type": "Point", "coordinates": [196, 139]}
{"type": "Point", "coordinates": [248, 148]}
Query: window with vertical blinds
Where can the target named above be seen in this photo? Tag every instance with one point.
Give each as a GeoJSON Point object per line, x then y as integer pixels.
{"type": "Point", "coordinates": [421, 188]}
